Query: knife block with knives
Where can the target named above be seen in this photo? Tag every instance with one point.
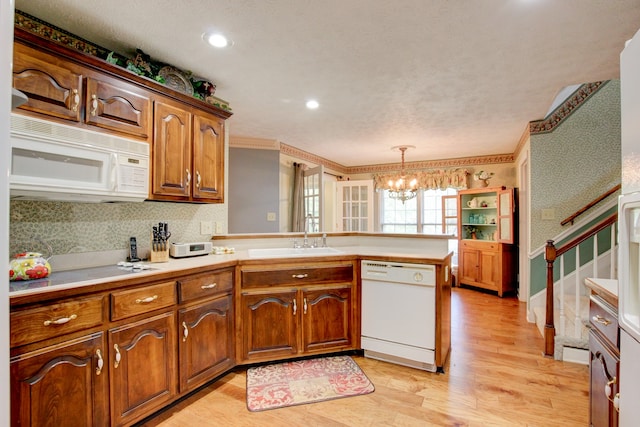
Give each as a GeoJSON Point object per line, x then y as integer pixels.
{"type": "Point", "coordinates": [159, 243]}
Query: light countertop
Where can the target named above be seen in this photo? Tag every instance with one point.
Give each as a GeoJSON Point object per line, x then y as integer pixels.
{"type": "Point", "coordinates": [71, 279]}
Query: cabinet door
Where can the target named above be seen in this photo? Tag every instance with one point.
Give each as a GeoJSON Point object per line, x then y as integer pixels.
{"type": "Point", "coordinates": [118, 107]}
{"type": "Point", "coordinates": [490, 269]}
{"type": "Point", "coordinates": [171, 150]}
{"type": "Point", "coordinates": [505, 216]}
{"type": "Point", "coordinates": [61, 385]}
{"type": "Point", "coordinates": [604, 371]}
{"type": "Point", "coordinates": [326, 319]}
{"type": "Point", "coordinates": [208, 158]}
{"type": "Point", "coordinates": [143, 367]}
{"type": "Point", "coordinates": [469, 265]}
{"type": "Point", "coordinates": [52, 89]}
{"type": "Point", "coordinates": [206, 342]}
{"type": "Point", "coordinates": [269, 325]}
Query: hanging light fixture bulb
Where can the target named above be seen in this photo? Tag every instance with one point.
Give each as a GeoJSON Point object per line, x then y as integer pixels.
{"type": "Point", "coordinates": [401, 188]}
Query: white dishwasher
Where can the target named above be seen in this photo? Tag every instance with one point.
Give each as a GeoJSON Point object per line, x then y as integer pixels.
{"type": "Point", "coordinates": [399, 313]}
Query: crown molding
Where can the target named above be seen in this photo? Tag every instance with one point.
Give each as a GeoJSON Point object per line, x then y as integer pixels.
{"type": "Point", "coordinates": [564, 110]}
{"type": "Point", "coordinates": [304, 155]}
{"type": "Point", "coordinates": [433, 164]}
{"type": "Point", "coordinates": [253, 143]}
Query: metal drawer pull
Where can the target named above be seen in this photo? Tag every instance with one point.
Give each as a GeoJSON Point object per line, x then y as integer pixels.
{"type": "Point", "coordinates": [118, 356]}
{"type": "Point", "coordinates": [100, 362]}
{"type": "Point", "coordinates": [602, 320]}
{"type": "Point", "coordinates": [185, 332]}
{"type": "Point", "coordinates": [300, 276]}
{"type": "Point", "coordinates": [146, 300]}
{"type": "Point", "coordinates": [60, 321]}
{"type": "Point", "coordinates": [76, 100]}
{"type": "Point", "coordinates": [295, 307]}
{"type": "Point", "coordinates": [210, 286]}
{"type": "Point", "coordinates": [94, 104]}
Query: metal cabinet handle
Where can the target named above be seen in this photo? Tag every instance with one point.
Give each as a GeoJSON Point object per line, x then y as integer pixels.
{"type": "Point", "coordinates": [295, 307]}
{"type": "Point", "coordinates": [188, 177]}
{"type": "Point", "coordinates": [602, 320]}
{"type": "Point", "coordinates": [304, 305]}
{"type": "Point", "coordinates": [185, 331]}
{"type": "Point", "coordinates": [299, 276]}
{"type": "Point", "coordinates": [616, 402]}
{"type": "Point", "coordinates": [610, 380]}
{"type": "Point", "coordinates": [94, 104]}
{"type": "Point", "coordinates": [209, 286]}
{"type": "Point", "coordinates": [118, 356]}
{"type": "Point", "coordinates": [60, 321]}
{"type": "Point", "coordinates": [100, 362]}
{"type": "Point", "coordinates": [146, 300]}
{"type": "Point", "coordinates": [76, 100]}
{"type": "Point", "coordinates": [198, 179]}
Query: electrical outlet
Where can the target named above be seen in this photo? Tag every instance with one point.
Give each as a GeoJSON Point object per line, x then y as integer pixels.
{"type": "Point", "coordinates": [206, 227]}
{"type": "Point", "coordinates": [271, 216]}
{"type": "Point", "coordinates": [218, 228]}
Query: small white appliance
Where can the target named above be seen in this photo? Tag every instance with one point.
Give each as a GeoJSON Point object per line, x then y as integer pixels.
{"type": "Point", "coordinates": [52, 161]}
{"type": "Point", "coordinates": [182, 250]}
{"type": "Point", "coordinates": [406, 294]}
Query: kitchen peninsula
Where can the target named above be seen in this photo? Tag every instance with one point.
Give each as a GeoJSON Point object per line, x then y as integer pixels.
{"type": "Point", "coordinates": [124, 347]}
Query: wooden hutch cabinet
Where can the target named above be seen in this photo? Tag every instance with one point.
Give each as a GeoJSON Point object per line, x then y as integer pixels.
{"type": "Point", "coordinates": [486, 251]}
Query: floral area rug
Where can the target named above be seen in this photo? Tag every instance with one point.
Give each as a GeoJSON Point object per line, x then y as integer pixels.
{"type": "Point", "coordinates": [304, 381]}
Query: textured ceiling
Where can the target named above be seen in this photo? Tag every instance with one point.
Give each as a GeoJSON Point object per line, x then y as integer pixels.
{"type": "Point", "coordinates": [455, 78]}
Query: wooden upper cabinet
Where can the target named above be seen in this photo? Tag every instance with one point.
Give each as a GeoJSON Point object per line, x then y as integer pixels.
{"type": "Point", "coordinates": [52, 89]}
{"type": "Point", "coordinates": [118, 106]}
{"type": "Point", "coordinates": [208, 157]}
{"type": "Point", "coordinates": [172, 172]}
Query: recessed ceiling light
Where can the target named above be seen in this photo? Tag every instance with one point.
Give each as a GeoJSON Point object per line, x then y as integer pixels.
{"type": "Point", "coordinates": [312, 104]}
{"type": "Point", "coordinates": [216, 39]}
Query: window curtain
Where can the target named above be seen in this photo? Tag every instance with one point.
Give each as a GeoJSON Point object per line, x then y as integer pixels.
{"type": "Point", "coordinates": [427, 179]}
{"type": "Point", "coordinates": [297, 214]}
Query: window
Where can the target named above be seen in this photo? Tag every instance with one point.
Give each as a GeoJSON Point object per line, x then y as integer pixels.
{"type": "Point", "coordinates": [431, 212]}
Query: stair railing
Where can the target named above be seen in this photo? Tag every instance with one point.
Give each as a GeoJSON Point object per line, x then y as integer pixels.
{"type": "Point", "coordinates": [552, 253]}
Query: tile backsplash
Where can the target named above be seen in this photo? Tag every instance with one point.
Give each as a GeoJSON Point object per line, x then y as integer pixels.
{"type": "Point", "coordinates": [95, 227]}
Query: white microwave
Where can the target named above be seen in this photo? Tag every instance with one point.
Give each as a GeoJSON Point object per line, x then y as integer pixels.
{"type": "Point", "coordinates": [52, 161]}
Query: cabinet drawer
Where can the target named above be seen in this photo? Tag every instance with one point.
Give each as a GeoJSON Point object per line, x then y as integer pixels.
{"type": "Point", "coordinates": [205, 285]}
{"type": "Point", "coordinates": [142, 300]}
{"type": "Point", "coordinates": [604, 320]}
{"type": "Point", "coordinates": [480, 245]}
{"type": "Point", "coordinates": [297, 276]}
{"type": "Point", "coordinates": [36, 324]}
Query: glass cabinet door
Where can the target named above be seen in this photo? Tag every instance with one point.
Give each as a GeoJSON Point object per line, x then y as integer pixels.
{"type": "Point", "coordinates": [355, 205]}
{"type": "Point", "coordinates": [505, 215]}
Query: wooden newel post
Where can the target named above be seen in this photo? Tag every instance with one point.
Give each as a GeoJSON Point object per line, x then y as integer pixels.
{"type": "Point", "coordinates": [549, 327]}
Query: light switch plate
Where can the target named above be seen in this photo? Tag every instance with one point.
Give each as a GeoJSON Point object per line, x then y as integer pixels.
{"type": "Point", "coordinates": [548, 214]}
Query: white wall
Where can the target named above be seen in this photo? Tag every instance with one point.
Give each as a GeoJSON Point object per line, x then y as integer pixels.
{"type": "Point", "coordinates": [6, 60]}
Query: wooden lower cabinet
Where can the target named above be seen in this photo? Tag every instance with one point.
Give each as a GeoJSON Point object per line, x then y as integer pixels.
{"type": "Point", "coordinates": [487, 265]}
{"type": "Point", "coordinates": [205, 341]}
{"type": "Point", "coordinates": [66, 384]}
{"type": "Point", "coordinates": [269, 324]}
{"type": "Point", "coordinates": [296, 322]}
{"type": "Point", "coordinates": [326, 319]}
{"type": "Point", "coordinates": [143, 367]}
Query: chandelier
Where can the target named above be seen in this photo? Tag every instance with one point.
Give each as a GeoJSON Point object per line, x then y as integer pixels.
{"type": "Point", "coordinates": [400, 188]}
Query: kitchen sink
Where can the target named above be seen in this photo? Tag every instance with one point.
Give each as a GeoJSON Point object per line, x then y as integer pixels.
{"type": "Point", "coordinates": [292, 252]}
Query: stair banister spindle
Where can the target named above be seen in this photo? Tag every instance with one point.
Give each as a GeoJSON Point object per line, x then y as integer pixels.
{"type": "Point", "coordinates": [562, 294]}
{"type": "Point", "coordinates": [577, 322]}
{"type": "Point", "coordinates": [549, 328]}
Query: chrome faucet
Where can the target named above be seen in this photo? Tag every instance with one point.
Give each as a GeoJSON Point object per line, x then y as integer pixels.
{"type": "Point", "coordinates": [305, 242]}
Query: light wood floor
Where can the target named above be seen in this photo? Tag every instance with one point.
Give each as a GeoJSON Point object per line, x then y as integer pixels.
{"type": "Point", "coordinates": [496, 376]}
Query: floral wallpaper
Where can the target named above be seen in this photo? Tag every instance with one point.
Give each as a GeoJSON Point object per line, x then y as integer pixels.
{"type": "Point", "coordinates": [576, 162]}
{"type": "Point", "coordinates": [90, 227]}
